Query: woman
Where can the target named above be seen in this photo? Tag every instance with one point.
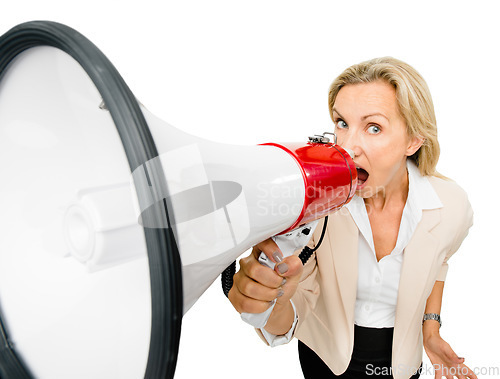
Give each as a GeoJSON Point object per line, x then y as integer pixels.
{"type": "Point", "coordinates": [370, 298]}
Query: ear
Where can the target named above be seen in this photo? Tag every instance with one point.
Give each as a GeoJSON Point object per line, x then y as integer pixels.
{"type": "Point", "coordinates": [414, 144]}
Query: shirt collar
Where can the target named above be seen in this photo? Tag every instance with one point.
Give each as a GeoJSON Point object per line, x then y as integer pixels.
{"type": "Point", "coordinates": [421, 196]}
{"type": "Point", "coordinates": [420, 192]}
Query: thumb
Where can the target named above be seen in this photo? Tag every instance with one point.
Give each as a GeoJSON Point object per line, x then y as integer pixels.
{"type": "Point", "coordinates": [282, 266]}
{"type": "Point", "coordinates": [291, 268]}
{"type": "Point", "coordinates": [273, 257]}
{"type": "Point", "coordinates": [453, 356]}
{"type": "Point", "coordinates": [287, 267]}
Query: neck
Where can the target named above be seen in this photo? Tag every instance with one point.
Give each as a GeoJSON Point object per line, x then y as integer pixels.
{"type": "Point", "coordinates": [394, 194]}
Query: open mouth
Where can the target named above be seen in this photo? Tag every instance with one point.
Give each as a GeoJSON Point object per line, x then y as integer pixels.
{"type": "Point", "coordinates": [362, 177]}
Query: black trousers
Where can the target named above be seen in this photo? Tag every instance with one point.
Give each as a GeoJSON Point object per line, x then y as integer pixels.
{"type": "Point", "coordinates": [371, 357]}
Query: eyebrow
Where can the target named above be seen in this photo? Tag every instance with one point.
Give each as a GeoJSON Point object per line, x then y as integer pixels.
{"type": "Point", "coordinates": [364, 117]}
{"type": "Point", "coordinates": [336, 111]}
{"type": "Point", "coordinates": [375, 114]}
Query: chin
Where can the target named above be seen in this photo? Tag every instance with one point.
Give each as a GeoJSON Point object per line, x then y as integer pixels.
{"type": "Point", "coordinates": [367, 191]}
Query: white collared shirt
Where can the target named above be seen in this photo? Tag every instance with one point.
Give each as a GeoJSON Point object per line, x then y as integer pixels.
{"type": "Point", "coordinates": [378, 282]}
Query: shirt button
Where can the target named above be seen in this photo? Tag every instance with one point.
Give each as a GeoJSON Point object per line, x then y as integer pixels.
{"type": "Point", "coordinates": [367, 307]}
{"type": "Point", "coordinates": [377, 280]}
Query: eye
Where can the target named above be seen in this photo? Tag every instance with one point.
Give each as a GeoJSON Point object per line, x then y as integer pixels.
{"type": "Point", "coordinates": [374, 129]}
{"type": "Point", "coordinates": [341, 124]}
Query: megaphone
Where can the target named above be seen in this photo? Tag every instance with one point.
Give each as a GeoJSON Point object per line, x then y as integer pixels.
{"type": "Point", "coordinates": [114, 222]}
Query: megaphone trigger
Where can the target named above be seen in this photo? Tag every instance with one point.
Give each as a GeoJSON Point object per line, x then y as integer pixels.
{"type": "Point", "coordinates": [295, 239]}
{"type": "Point", "coordinates": [290, 242]}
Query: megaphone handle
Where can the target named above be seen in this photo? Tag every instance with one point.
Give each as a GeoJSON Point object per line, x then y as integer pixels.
{"type": "Point", "coordinates": [288, 244]}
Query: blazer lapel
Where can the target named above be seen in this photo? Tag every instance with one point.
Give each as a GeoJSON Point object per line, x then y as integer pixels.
{"type": "Point", "coordinates": [419, 257]}
{"type": "Point", "coordinates": [343, 241]}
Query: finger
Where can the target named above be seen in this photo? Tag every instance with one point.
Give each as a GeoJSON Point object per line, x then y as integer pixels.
{"type": "Point", "coordinates": [461, 370]}
{"type": "Point", "coordinates": [438, 371]}
{"type": "Point", "coordinates": [442, 370]}
{"type": "Point", "coordinates": [250, 267]}
{"type": "Point", "coordinates": [252, 289]}
{"type": "Point", "coordinates": [273, 253]}
{"type": "Point", "coordinates": [294, 268]}
{"type": "Point", "coordinates": [456, 359]}
{"type": "Point", "coordinates": [468, 372]}
{"type": "Point", "coordinates": [452, 356]}
{"type": "Point", "coordinates": [246, 304]}
{"type": "Point", "coordinates": [270, 248]}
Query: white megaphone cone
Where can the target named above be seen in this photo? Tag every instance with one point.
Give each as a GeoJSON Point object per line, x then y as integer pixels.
{"type": "Point", "coordinates": [223, 199]}
{"type": "Point", "coordinates": [114, 222]}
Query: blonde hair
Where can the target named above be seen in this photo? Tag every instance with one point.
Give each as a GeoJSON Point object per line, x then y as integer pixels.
{"type": "Point", "coordinates": [414, 101]}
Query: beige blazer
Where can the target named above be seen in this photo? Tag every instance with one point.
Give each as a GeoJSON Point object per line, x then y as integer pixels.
{"type": "Point", "coordinates": [326, 296]}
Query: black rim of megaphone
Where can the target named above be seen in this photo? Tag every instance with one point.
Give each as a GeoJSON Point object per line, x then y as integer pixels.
{"type": "Point", "coordinates": [164, 261]}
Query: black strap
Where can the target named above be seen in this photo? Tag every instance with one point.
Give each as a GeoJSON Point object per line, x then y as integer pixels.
{"type": "Point", "coordinates": [306, 253]}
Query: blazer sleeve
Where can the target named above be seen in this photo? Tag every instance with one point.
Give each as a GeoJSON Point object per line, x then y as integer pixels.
{"type": "Point", "coordinates": [465, 217]}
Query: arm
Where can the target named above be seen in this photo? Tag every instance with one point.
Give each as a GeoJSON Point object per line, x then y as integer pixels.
{"type": "Point", "coordinates": [302, 302]}
{"type": "Point", "coordinates": [440, 353]}
{"type": "Point", "coordinates": [304, 295]}
{"type": "Point", "coordinates": [434, 301]}
{"type": "Point", "coordinates": [284, 317]}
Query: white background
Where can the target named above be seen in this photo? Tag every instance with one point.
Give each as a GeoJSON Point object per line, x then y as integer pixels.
{"type": "Point", "coordinates": [245, 72]}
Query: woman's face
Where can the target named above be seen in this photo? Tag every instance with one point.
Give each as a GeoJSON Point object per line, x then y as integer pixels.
{"type": "Point", "coordinates": [368, 121]}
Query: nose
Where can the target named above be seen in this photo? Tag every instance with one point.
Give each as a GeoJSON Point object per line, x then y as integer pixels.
{"type": "Point", "coordinates": [350, 142]}
{"type": "Point", "coordinates": [350, 152]}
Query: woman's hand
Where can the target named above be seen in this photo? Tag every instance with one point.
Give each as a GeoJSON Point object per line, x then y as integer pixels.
{"type": "Point", "coordinates": [444, 360]}
{"type": "Point", "coordinates": [255, 285]}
